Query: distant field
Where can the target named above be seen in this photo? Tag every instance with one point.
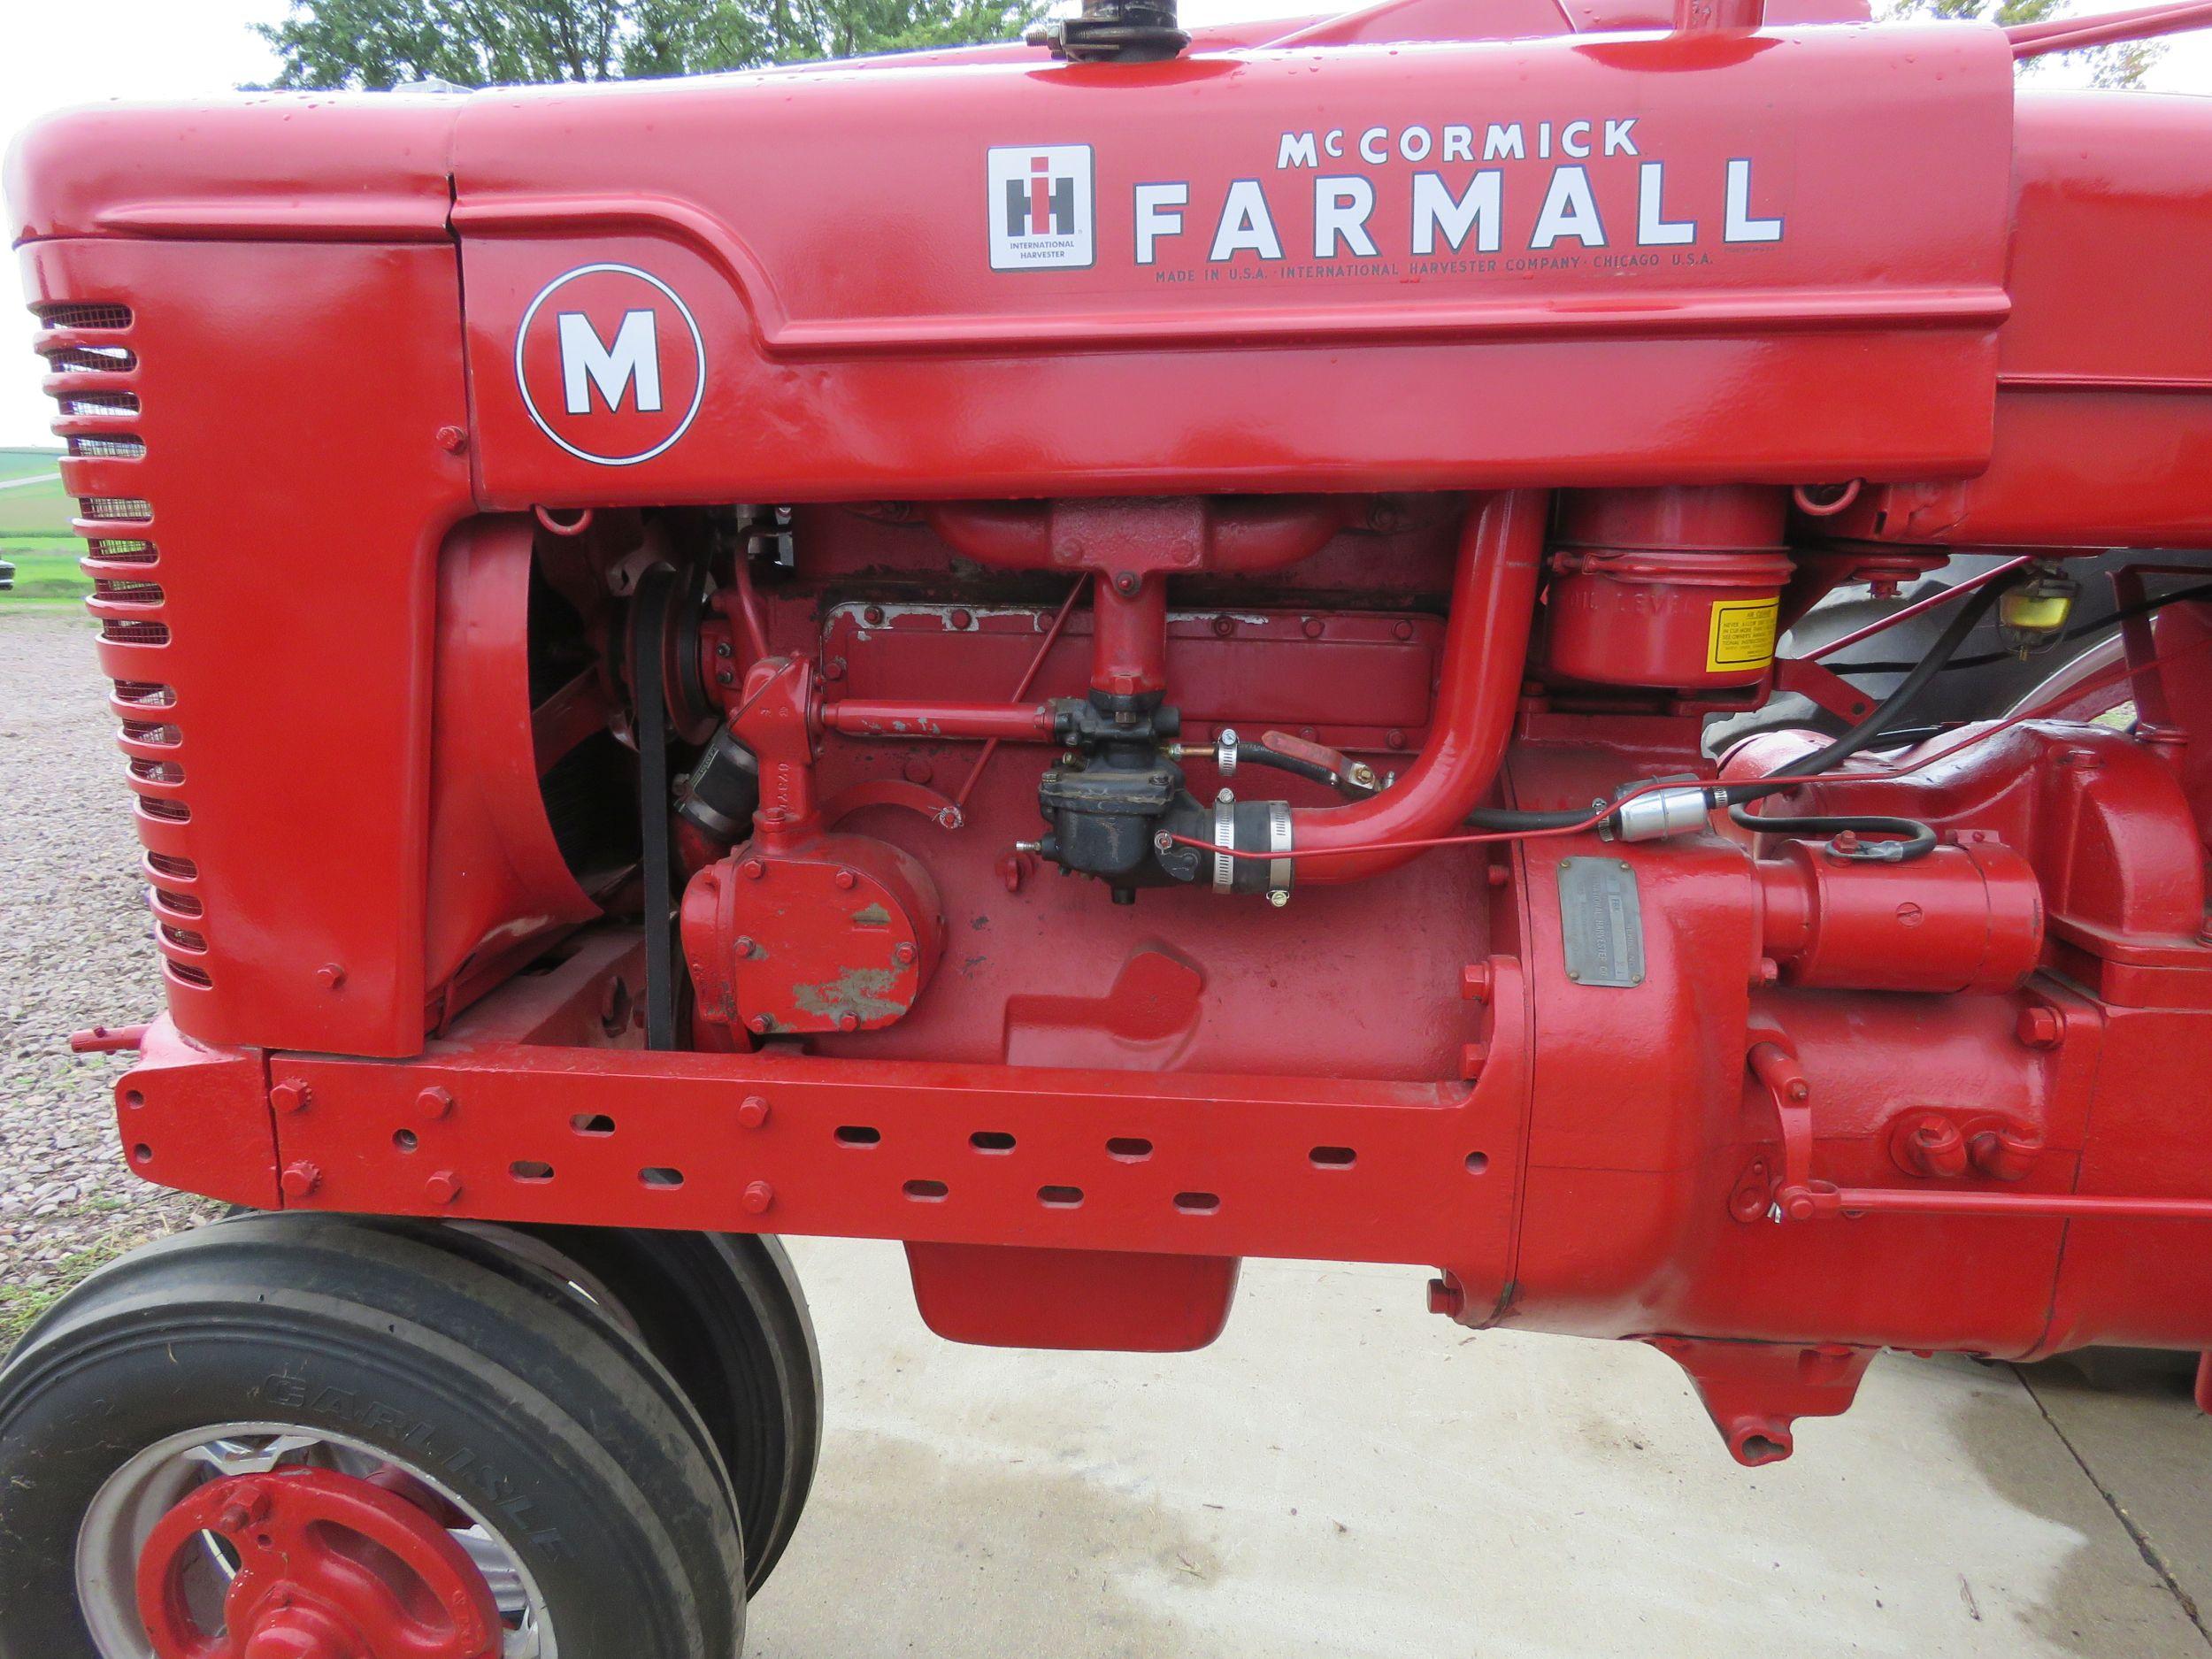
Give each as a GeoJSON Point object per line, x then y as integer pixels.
{"type": "Point", "coordinates": [22, 463]}
{"type": "Point", "coordinates": [34, 533]}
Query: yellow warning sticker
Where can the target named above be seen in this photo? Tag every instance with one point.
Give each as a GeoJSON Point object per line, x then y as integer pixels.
{"type": "Point", "coordinates": [1742, 635]}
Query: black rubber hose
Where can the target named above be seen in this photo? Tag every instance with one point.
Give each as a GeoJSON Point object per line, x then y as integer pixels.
{"type": "Point", "coordinates": [2079, 630]}
{"type": "Point", "coordinates": [1918, 839]}
{"type": "Point", "coordinates": [1502, 817]}
{"type": "Point", "coordinates": [1893, 707]}
{"type": "Point", "coordinates": [1254, 755]}
{"type": "Point", "coordinates": [1860, 736]}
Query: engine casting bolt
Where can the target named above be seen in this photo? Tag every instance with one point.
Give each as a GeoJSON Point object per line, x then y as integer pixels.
{"type": "Point", "coordinates": [434, 1103]}
{"type": "Point", "coordinates": [1402, 631]}
{"type": "Point", "coordinates": [289, 1097]}
{"type": "Point", "coordinates": [331, 976]}
{"type": "Point", "coordinates": [1395, 738]}
{"type": "Point", "coordinates": [759, 1196]}
{"type": "Point", "coordinates": [845, 878]}
{"type": "Point", "coordinates": [960, 619]}
{"type": "Point", "coordinates": [442, 1187]}
{"type": "Point", "coordinates": [2040, 1027]}
{"type": "Point", "coordinates": [743, 944]}
{"type": "Point", "coordinates": [760, 1025]}
{"type": "Point", "coordinates": [1472, 1058]}
{"type": "Point", "coordinates": [1126, 583]}
{"type": "Point", "coordinates": [903, 955]}
{"type": "Point", "coordinates": [849, 1021]}
{"type": "Point", "coordinates": [1278, 897]}
{"type": "Point", "coordinates": [1310, 627]}
{"type": "Point", "coordinates": [299, 1180]}
{"type": "Point", "coordinates": [833, 668]}
{"type": "Point", "coordinates": [1446, 1298]}
{"type": "Point", "coordinates": [1477, 981]}
{"type": "Point", "coordinates": [752, 870]}
{"type": "Point", "coordinates": [1223, 626]}
{"type": "Point", "coordinates": [752, 1111]}
{"type": "Point", "coordinates": [873, 616]}
{"type": "Point", "coordinates": [452, 439]}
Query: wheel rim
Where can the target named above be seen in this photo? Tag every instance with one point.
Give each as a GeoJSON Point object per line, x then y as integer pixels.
{"type": "Point", "coordinates": [317, 1546]}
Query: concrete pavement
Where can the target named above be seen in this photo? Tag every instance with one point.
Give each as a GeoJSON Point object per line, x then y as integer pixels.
{"type": "Point", "coordinates": [1343, 1474]}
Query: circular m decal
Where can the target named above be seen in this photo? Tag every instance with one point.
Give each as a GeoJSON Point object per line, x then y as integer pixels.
{"type": "Point", "coordinates": [611, 364]}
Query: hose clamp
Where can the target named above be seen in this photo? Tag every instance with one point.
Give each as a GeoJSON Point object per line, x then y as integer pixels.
{"type": "Point", "coordinates": [1225, 752]}
{"type": "Point", "coordinates": [1226, 840]}
{"type": "Point", "coordinates": [1279, 841]}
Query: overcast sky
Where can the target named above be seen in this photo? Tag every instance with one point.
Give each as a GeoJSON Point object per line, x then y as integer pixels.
{"type": "Point", "coordinates": [150, 49]}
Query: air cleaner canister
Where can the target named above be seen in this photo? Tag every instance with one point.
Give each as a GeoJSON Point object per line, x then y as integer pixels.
{"type": "Point", "coordinates": [1678, 589]}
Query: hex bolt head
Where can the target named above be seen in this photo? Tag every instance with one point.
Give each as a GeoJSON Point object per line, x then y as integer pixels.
{"type": "Point", "coordinates": [743, 944]}
{"type": "Point", "coordinates": [434, 1103]}
{"type": "Point", "coordinates": [757, 1198]}
{"type": "Point", "coordinates": [752, 870]}
{"type": "Point", "coordinates": [289, 1097]}
{"type": "Point", "coordinates": [752, 1111]}
{"type": "Point", "coordinates": [1446, 1298]}
{"type": "Point", "coordinates": [1472, 1058]}
{"type": "Point", "coordinates": [442, 1187]}
{"type": "Point", "coordinates": [760, 1025]}
{"type": "Point", "coordinates": [849, 1021]}
{"type": "Point", "coordinates": [1126, 583]}
{"type": "Point", "coordinates": [1477, 981]}
{"type": "Point", "coordinates": [1310, 627]}
{"type": "Point", "coordinates": [299, 1180]}
{"type": "Point", "coordinates": [873, 616]}
{"type": "Point", "coordinates": [331, 976]}
{"type": "Point", "coordinates": [251, 1505]}
{"type": "Point", "coordinates": [845, 880]}
{"type": "Point", "coordinates": [904, 954]}
{"type": "Point", "coordinates": [452, 439]}
{"type": "Point", "coordinates": [2039, 1026]}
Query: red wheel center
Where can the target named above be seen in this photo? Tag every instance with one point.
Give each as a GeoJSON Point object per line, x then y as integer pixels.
{"type": "Point", "coordinates": [328, 1566]}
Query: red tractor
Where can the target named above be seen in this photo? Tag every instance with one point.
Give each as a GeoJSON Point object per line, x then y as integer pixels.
{"type": "Point", "coordinates": [1100, 661]}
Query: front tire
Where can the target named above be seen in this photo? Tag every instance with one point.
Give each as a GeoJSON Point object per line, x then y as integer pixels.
{"type": "Point", "coordinates": [349, 1347]}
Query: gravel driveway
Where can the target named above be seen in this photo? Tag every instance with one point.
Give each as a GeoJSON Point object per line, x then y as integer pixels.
{"type": "Point", "coordinates": [74, 953]}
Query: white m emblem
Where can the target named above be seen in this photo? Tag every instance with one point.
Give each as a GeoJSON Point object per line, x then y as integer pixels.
{"type": "Point", "coordinates": [633, 356]}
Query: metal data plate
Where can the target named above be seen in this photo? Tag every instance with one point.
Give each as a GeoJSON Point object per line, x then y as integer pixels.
{"type": "Point", "coordinates": [1600, 922]}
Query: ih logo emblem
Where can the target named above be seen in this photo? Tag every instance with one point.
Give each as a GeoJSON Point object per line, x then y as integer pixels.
{"type": "Point", "coordinates": [611, 364]}
{"type": "Point", "coordinates": [1040, 208]}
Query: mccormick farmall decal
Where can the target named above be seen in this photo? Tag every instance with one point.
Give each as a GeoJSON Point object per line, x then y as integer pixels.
{"type": "Point", "coordinates": [1390, 201]}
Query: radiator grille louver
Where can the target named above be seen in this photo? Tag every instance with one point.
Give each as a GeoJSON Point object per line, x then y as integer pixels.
{"type": "Point", "coordinates": [92, 365]}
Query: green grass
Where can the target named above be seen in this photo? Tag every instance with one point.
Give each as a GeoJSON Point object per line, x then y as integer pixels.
{"type": "Point", "coordinates": [21, 1304]}
{"type": "Point", "coordinates": [23, 462]}
{"type": "Point", "coordinates": [32, 502]}
{"type": "Point", "coordinates": [46, 578]}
